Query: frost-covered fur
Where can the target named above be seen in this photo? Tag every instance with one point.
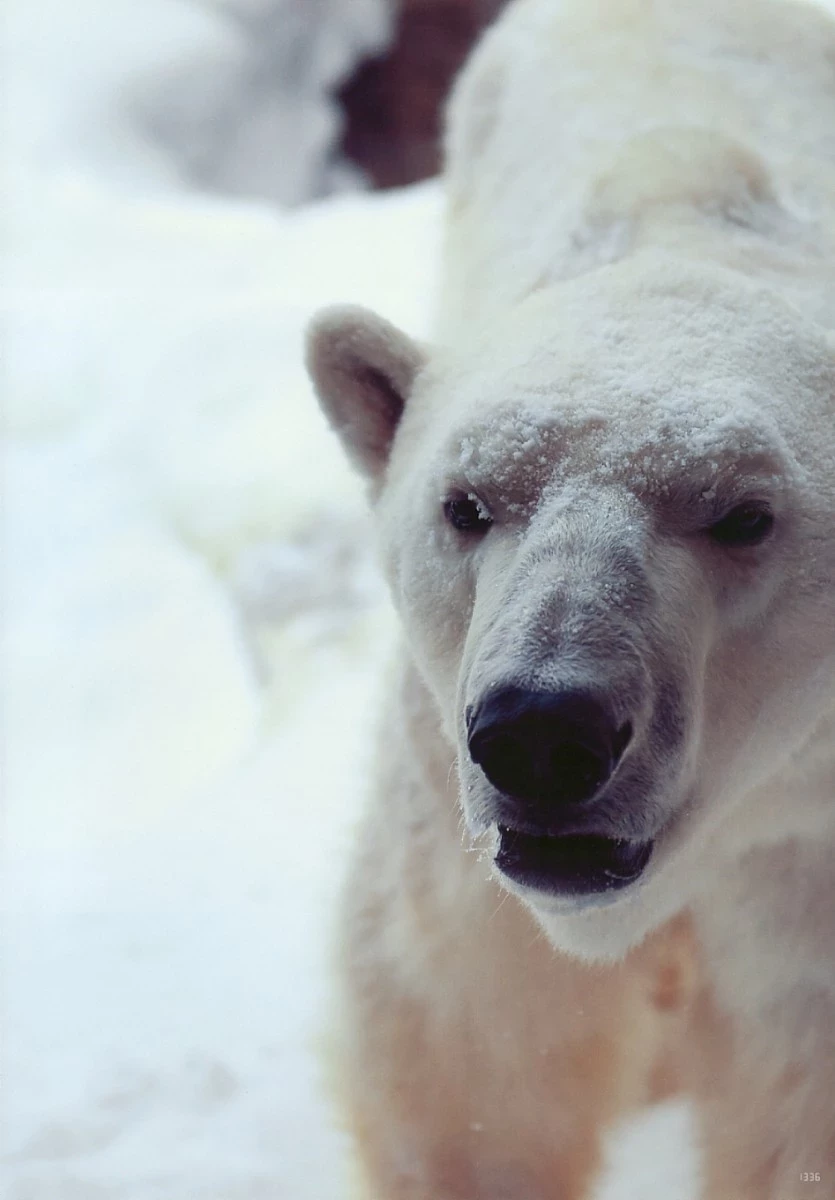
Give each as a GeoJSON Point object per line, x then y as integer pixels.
{"type": "Point", "coordinates": [635, 336]}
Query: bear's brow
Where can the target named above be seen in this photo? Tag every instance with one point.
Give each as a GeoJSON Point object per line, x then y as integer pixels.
{"type": "Point", "coordinates": [518, 472]}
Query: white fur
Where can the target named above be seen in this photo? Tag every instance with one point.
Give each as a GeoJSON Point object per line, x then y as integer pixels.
{"type": "Point", "coordinates": [635, 335]}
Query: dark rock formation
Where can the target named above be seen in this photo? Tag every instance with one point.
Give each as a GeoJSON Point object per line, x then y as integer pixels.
{"type": "Point", "coordinates": [393, 103]}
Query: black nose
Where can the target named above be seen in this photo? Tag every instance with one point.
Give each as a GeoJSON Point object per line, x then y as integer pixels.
{"type": "Point", "coordinates": [545, 748]}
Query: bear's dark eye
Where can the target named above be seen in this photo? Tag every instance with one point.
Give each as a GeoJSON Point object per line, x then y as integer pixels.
{"type": "Point", "coordinates": [467, 513]}
{"type": "Point", "coordinates": [746, 525]}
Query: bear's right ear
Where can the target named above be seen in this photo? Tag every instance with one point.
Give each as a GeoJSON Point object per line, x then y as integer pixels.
{"type": "Point", "coordinates": [363, 369]}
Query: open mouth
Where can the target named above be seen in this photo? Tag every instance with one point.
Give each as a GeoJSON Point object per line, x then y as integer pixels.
{"type": "Point", "coordinates": [570, 865]}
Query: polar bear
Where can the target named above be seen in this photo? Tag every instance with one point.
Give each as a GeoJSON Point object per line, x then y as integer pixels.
{"type": "Point", "coordinates": [598, 862]}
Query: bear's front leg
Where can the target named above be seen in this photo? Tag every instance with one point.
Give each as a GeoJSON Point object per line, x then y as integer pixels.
{"type": "Point", "coordinates": [767, 1124]}
{"type": "Point", "coordinates": [762, 1047]}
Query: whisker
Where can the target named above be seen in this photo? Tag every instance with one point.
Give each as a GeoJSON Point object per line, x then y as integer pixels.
{"type": "Point", "coordinates": [499, 906]}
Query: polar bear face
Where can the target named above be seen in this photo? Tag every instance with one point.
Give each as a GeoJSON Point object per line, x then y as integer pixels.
{"type": "Point", "coordinates": [608, 529]}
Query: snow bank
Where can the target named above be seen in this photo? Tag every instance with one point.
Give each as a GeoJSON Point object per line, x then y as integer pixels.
{"type": "Point", "coordinates": [190, 606]}
{"type": "Point", "coordinates": [260, 120]}
{"type": "Point", "coordinates": [230, 96]}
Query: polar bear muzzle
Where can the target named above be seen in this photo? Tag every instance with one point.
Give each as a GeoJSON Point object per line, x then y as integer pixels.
{"type": "Point", "coordinates": [549, 755]}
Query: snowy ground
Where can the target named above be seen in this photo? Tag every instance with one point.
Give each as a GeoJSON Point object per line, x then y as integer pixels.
{"type": "Point", "coordinates": [193, 629]}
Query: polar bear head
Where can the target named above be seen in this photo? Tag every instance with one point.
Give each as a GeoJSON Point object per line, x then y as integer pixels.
{"type": "Point", "coordinates": [608, 524]}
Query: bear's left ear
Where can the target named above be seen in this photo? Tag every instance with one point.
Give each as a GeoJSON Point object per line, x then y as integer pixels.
{"type": "Point", "coordinates": [363, 369]}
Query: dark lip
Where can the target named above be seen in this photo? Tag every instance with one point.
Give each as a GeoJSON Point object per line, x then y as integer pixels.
{"type": "Point", "coordinates": [571, 864]}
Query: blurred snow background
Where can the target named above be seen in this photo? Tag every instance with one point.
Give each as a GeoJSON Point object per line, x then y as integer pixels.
{"type": "Point", "coordinates": [192, 626]}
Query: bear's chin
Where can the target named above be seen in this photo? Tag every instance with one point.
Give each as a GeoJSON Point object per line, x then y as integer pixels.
{"type": "Point", "coordinates": [604, 927]}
